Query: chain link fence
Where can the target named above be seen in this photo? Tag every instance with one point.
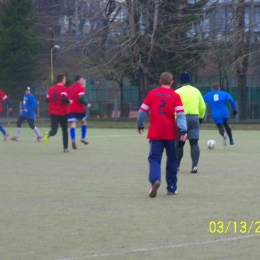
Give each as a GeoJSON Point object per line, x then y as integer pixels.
{"type": "Point", "coordinates": [106, 104]}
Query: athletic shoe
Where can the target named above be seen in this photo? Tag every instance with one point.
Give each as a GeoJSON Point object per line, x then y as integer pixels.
{"type": "Point", "coordinates": [84, 141]}
{"type": "Point", "coordinates": [171, 193]}
{"type": "Point", "coordinates": [232, 142]}
{"type": "Point", "coordinates": [154, 188]}
{"type": "Point", "coordinates": [6, 136]}
{"type": "Point", "coordinates": [14, 138]}
{"type": "Point", "coordinates": [224, 139]}
{"type": "Point", "coordinates": [46, 138]}
{"type": "Point", "coordinates": [194, 170]}
{"type": "Point", "coordinates": [66, 150]}
{"type": "Point", "coordinates": [74, 146]}
{"type": "Point", "coordinates": [39, 138]}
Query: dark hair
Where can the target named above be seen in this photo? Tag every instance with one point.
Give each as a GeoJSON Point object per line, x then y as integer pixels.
{"type": "Point", "coordinates": [166, 78]}
{"type": "Point", "coordinates": [77, 77]}
{"type": "Point", "coordinates": [215, 86]}
{"type": "Point", "coordinates": [60, 77]}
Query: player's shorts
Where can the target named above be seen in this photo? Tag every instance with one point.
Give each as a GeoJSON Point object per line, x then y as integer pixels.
{"type": "Point", "coordinates": [75, 117]}
{"type": "Point", "coordinates": [193, 127]}
{"type": "Point", "coordinates": [220, 121]}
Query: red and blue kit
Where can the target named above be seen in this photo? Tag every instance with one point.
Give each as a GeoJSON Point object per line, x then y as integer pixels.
{"type": "Point", "coordinates": [76, 91]}
{"type": "Point", "coordinates": [163, 103]}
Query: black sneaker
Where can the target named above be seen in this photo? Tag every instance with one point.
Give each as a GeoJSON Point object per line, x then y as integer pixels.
{"type": "Point", "coordinates": [84, 141]}
{"type": "Point", "coordinates": [194, 170]}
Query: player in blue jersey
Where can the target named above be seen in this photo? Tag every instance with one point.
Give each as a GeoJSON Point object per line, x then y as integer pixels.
{"type": "Point", "coordinates": [27, 113]}
{"type": "Point", "coordinates": [217, 102]}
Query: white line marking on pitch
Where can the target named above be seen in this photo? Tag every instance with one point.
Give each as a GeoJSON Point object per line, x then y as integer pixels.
{"type": "Point", "coordinates": [106, 136]}
{"type": "Point", "coordinates": [159, 248]}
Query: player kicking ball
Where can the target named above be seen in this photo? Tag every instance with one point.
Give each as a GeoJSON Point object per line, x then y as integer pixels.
{"type": "Point", "coordinates": [77, 110]}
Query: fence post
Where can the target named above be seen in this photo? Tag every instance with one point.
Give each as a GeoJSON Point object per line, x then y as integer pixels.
{"type": "Point", "coordinates": [206, 114]}
{"type": "Point", "coordinates": [89, 88]}
{"type": "Point", "coordinates": [20, 107]}
{"type": "Point", "coordinates": [38, 108]}
{"type": "Point", "coordinates": [7, 112]}
{"type": "Point", "coordinates": [116, 110]}
{"type": "Point", "coordinates": [237, 115]}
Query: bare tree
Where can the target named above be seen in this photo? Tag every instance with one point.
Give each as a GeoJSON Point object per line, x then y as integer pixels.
{"type": "Point", "coordinates": [242, 50]}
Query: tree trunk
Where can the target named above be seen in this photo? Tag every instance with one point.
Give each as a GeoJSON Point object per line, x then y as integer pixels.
{"type": "Point", "coordinates": [144, 84]}
{"type": "Point", "coordinates": [242, 98]}
{"type": "Point", "coordinates": [121, 85]}
{"type": "Point", "coordinates": [241, 59]}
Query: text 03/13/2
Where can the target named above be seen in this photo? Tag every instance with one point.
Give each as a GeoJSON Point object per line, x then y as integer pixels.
{"type": "Point", "coordinates": [242, 227]}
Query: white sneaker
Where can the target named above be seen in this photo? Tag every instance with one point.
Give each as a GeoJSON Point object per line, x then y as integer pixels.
{"type": "Point", "coordinates": [224, 139]}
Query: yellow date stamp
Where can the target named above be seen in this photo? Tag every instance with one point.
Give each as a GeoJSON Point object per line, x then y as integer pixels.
{"type": "Point", "coordinates": [241, 227]}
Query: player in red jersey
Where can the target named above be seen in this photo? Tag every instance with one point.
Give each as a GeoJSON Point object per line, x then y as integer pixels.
{"type": "Point", "coordinates": [163, 104]}
{"type": "Point", "coordinates": [77, 110]}
{"type": "Point", "coordinates": [4, 97]}
{"type": "Point", "coordinates": [57, 97]}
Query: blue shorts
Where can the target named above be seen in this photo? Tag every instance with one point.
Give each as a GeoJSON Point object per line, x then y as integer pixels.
{"type": "Point", "coordinates": [220, 121]}
{"type": "Point", "coordinates": [75, 117]}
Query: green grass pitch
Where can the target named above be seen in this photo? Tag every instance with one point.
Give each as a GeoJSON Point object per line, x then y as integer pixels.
{"type": "Point", "coordinates": [93, 203]}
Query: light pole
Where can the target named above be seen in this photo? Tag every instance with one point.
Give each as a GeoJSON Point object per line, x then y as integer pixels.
{"type": "Point", "coordinates": [52, 48]}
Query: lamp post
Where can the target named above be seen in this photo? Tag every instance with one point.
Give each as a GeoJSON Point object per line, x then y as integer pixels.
{"type": "Point", "coordinates": [52, 48]}
{"type": "Point", "coordinates": [52, 69]}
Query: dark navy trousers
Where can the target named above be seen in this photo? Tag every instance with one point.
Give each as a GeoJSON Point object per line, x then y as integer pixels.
{"type": "Point", "coordinates": [155, 157]}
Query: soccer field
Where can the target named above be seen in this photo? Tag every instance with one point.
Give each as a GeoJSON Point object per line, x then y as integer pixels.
{"type": "Point", "coordinates": [93, 203]}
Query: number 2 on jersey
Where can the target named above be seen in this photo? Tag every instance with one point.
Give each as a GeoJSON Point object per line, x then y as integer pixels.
{"type": "Point", "coordinates": [163, 103]}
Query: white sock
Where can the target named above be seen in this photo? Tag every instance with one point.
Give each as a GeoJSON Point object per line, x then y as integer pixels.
{"type": "Point", "coordinates": [18, 131]}
{"type": "Point", "coordinates": [36, 130]}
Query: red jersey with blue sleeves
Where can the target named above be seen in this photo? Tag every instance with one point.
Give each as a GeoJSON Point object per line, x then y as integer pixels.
{"type": "Point", "coordinates": [162, 103]}
{"type": "Point", "coordinates": [54, 97]}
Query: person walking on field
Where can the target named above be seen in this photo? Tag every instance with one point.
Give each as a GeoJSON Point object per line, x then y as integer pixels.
{"type": "Point", "coordinates": [27, 113]}
{"type": "Point", "coordinates": [163, 103]}
{"type": "Point", "coordinates": [57, 97]}
{"type": "Point", "coordinates": [77, 110]}
{"type": "Point", "coordinates": [217, 101]}
{"type": "Point", "coordinates": [195, 108]}
{"type": "Point", "coordinates": [4, 97]}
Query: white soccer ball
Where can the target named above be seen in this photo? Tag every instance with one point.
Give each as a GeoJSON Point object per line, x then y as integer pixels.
{"type": "Point", "coordinates": [211, 144]}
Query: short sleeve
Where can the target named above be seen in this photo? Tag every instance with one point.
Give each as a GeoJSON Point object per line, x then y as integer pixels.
{"type": "Point", "coordinates": [179, 108]}
{"type": "Point", "coordinates": [147, 103]}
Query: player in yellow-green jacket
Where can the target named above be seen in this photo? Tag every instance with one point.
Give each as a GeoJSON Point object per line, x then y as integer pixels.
{"type": "Point", "coordinates": [194, 108]}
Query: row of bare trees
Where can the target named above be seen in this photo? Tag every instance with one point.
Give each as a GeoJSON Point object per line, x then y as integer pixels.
{"type": "Point", "coordinates": [139, 39]}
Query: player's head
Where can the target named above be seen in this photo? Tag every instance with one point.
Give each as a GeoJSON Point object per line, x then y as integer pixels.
{"type": "Point", "coordinates": [215, 86]}
{"type": "Point", "coordinates": [27, 90]}
{"type": "Point", "coordinates": [61, 79]}
{"type": "Point", "coordinates": [185, 78]}
{"type": "Point", "coordinates": [79, 79]}
{"type": "Point", "coordinates": [166, 79]}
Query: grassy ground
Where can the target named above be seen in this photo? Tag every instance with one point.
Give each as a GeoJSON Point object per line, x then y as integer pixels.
{"type": "Point", "coordinates": [93, 203]}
